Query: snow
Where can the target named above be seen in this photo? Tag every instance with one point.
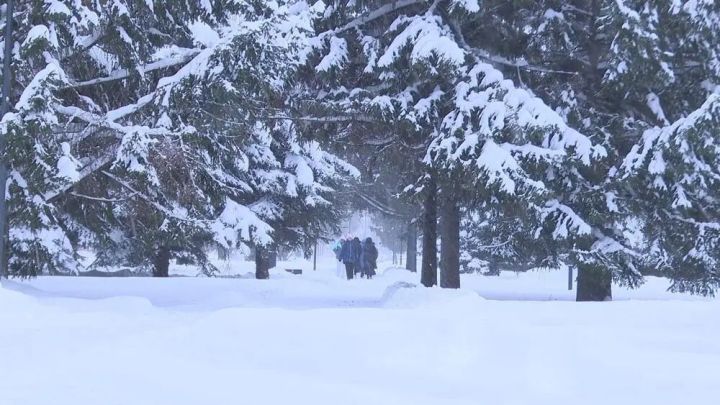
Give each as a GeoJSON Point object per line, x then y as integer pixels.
{"type": "Point", "coordinates": [204, 34]}
{"type": "Point", "coordinates": [206, 5]}
{"type": "Point", "coordinates": [316, 338]}
{"type": "Point", "coordinates": [119, 7]}
{"type": "Point", "coordinates": [55, 7]}
{"type": "Point", "coordinates": [67, 165]}
{"type": "Point", "coordinates": [336, 57]}
{"type": "Point", "coordinates": [428, 36]}
{"type": "Point", "coordinates": [567, 220]}
{"type": "Point", "coordinates": [36, 87]}
{"type": "Point", "coordinates": [37, 33]}
{"type": "Point", "coordinates": [471, 6]}
{"type": "Point", "coordinates": [653, 102]}
{"type": "Point", "coordinates": [239, 222]}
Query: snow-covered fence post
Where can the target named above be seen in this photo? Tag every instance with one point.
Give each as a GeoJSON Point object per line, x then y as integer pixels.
{"type": "Point", "coordinates": [7, 83]}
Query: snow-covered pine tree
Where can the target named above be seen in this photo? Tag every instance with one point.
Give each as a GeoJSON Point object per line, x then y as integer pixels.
{"type": "Point", "coordinates": [566, 49]}
{"type": "Point", "coordinates": [409, 64]}
{"type": "Point", "coordinates": [514, 155]}
{"type": "Point", "coordinates": [364, 76]}
{"type": "Point", "coordinates": [674, 169]}
{"type": "Point", "coordinates": [145, 130]}
{"type": "Point", "coordinates": [613, 70]}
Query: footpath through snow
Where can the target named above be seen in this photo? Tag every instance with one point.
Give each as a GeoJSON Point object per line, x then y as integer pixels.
{"type": "Point", "coordinates": [317, 339]}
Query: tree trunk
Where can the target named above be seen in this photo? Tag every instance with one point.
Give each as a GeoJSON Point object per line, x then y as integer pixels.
{"type": "Point", "coordinates": [449, 242]}
{"type": "Point", "coordinates": [161, 266]}
{"type": "Point", "coordinates": [272, 255]}
{"type": "Point", "coordinates": [593, 283]}
{"type": "Point", "coordinates": [428, 276]}
{"type": "Point", "coordinates": [411, 259]}
{"type": "Point", "coordinates": [262, 262]}
{"type": "Point", "coordinates": [223, 252]}
{"type": "Point", "coordinates": [4, 108]}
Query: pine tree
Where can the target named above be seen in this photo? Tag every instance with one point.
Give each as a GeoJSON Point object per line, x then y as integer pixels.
{"type": "Point", "coordinates": [423, 77]}
{"type": "Point", "coordinates": [613, 70]}
{"type": "Point", "coordinates": [147, 130]}
{"type": "Point", "coordinates": [673, 168]}
{"type": "Point", "coordinates": [375, 91]}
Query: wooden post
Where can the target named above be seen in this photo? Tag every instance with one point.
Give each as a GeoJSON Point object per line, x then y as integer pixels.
{"type": "Point", "coordinates": [315, 256]}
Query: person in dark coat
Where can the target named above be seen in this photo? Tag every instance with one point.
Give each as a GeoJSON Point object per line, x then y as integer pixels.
{"type": "Point", "coordinates": [355, 253]}
{"type": "Point", "coordinates": [368, 258]}
{"type": "Point", "coordinates": [346, 257]}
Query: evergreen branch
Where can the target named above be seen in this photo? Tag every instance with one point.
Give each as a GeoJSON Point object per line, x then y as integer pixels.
{"type": "Point", "coordinates": [374, 15]}
{"type": "Point", "coordinates": [149, 200]}
{"type": "Point", "coordinates": [101, 199]}
{"type": "Point", "coordinates": [700, 225]}
{"type": "Point", "coordinates": [497, 245]}
{"type": "Point", "coordinates": [106, 122]}
{"type": "Point", "coordinates": [121, 74]}
{"type": "Point", "coordinates": [329, 119]}
{"type": "Point", "coordinates": [382, 142]}
{"type": "Point", "coordinates": [88, 170]}
{"type": "Point", "coordinates": [378, 205]}
{"type": "Point", "coordinates": [86, 45]}
{"type": "Point", "coordinates": [496, 59]}
{"type": "Point", "coordinates": [307, 118]}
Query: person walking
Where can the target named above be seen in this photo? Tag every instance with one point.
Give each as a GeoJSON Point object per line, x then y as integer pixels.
{"type": "Point", "coordinates": [337, 248]}
{"type": "Point", "coordinates": [346, 257]}
{"type": "Point", "coordinates": [368, 258]}
{"type": "Point", "coordinates": [355, 253]}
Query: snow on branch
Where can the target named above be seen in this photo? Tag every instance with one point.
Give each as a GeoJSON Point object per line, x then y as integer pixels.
{"type": "Point", "coordinates": [659, 139]}
{"type": "Point", "coordinates": [428, 36]}
{"type": "Point", "coordinates": [107, 157]}
{"type": "Point", "coordinates": [105, 122]}
{"type": "Point", "coordinates": [374, 15]}
{"type": "Point", "coordinates": [235, 223]}
{"type": "Point", "coordinates": [120, 74]}
{"type": "Point", "coordinates": [337, 56]}
{"type": "Point", "coordinates": [566, 220]}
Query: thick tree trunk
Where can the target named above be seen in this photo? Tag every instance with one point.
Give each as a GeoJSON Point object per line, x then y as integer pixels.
{"type": "Point", "coordinates": [262, 262]}
{"type": "Point", "coordinates": [428, 275]}
{"type": "Point", "coordinates": [411, 242]}
{"type": "Point", "coordinates": [593, 283]}
{"type": "Point", "coordinates": [449, 242]}
{"type": "Point", "coordinates": [223, 252]}
{"type": "Point", "coordinates": [272, 255]}
{"type": "Point", "coordinates": [161, 265]}
{"type": "Point", "coordinates": [4, 108]}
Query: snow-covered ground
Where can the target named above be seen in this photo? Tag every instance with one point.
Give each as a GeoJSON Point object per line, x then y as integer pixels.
{"type": "Point", "coordinates": [318, 339]}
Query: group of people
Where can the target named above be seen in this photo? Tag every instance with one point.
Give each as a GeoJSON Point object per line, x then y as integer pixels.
{"type": "Point", "coordinates": [359, 258]}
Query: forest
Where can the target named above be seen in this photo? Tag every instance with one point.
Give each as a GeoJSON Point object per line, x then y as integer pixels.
{"type": "Point", "coordinates": [495, 135]}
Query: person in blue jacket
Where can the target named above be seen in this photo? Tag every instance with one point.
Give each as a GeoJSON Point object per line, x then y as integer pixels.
{"type": "Point", "coordinates": [337, 248]}
{"type": "Point", "coordinates": [347, 257]}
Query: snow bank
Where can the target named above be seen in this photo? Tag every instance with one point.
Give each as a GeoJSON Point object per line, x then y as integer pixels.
{"type": "Point", "coordinates": [318, 339]}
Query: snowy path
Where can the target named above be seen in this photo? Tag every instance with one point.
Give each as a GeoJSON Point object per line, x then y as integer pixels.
{"type": "Point", "coordinates": [316, 339]}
